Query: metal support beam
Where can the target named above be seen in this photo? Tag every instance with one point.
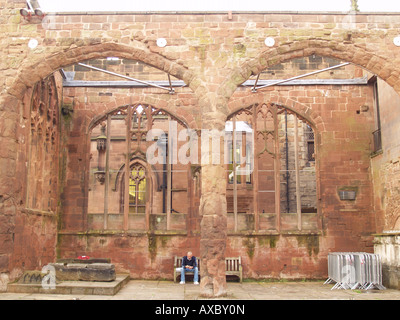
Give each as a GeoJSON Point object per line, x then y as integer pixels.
{"type": "Point", "coordinates": [171, 90]}
{"type": "Point", "coordinates": [297, 171]}
{"type": "Point", "coordinates": [255, 83]}
{"type": "Point", "coordinates": [254, 89]}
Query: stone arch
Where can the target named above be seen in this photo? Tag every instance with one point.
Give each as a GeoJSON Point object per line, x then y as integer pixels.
{"type": "Point", "coordinates": [302, 110]}
{"type": "Point", "coordinates": [96, 119]}
{"type": "Point", "coordinates": [379, 65]}
{"type": "Point", "coordinates": [135, 158]}
{"type": "Point", "coordinates": [137, 155]}
{"type": "Point", "coordinates": [167, 106]}
{"type": "Point", "coordinates": [303, 113]}
{"type": "Point", "coordinates": [150, 176]}
{"type": "Point", "coordinates": [32, 71]}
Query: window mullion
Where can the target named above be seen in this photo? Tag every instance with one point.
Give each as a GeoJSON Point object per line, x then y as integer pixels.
{"type": "Point", "coordinates": [107, 172]}
{"type": "Point", "coordinates": [234, 172]}
{"type": "Point", "coordinates": [127, 167]}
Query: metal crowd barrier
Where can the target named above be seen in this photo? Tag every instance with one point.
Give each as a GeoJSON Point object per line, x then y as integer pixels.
{"type": "Point", "coordinates": [354, 270]}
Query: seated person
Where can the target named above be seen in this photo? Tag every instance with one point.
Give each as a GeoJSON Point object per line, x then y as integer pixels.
{"type": "Point", "coordinates": [189, 264]}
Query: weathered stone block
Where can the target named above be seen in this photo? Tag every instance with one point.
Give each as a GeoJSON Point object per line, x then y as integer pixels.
{"type": "Point", "coordinates": [84, 272]}
{"type": "Point", "coordinates": [31, 277]}
{"type": "Point", "coordinates": [391, 277]}
{"type": "Point", "coordinates": [388, 248]}
{"type": "Point", "coordinates": [87, 261]}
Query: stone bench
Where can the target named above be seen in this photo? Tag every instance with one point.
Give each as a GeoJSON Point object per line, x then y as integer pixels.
{"type": "Point", "coordinates": [233, 267]}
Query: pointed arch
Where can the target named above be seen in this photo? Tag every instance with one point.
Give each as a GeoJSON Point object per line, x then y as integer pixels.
{"type": "Point", "coordinates": [277, 167]}
{"type": "Point", "coordinates": [136, 187]}
{"type": "Point", "coordinates": [382, 66]}
{"type": "Point", "coordinates": [33, 70]}
{"type": "Point", "coordinates": [149, 109]}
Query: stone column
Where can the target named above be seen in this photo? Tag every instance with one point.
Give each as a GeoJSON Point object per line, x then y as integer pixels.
{"type": "Point", "coordinates": [11, 179]}
{"type": "Point", "coordinates": [213, 214]}
{"type": "Point", "coordinates": [213, 231]}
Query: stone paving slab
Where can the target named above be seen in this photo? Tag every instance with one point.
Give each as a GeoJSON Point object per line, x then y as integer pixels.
{"type": "Point", "coordinates": [168, 290]}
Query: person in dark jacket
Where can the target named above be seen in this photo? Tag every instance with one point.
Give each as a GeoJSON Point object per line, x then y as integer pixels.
{"type": "Point", "coordinates": [189, 264]}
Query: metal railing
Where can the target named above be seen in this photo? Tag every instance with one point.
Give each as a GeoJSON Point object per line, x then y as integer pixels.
{"type": "Point", "coordinates": [354, 270]}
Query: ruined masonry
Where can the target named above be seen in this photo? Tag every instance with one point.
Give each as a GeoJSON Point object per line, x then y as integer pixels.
{"type": "Point", "coordinates": [305, 167]}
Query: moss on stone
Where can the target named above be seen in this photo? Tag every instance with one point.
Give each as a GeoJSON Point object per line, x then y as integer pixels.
{"type": "Point", "coordinates": [152, 246]}
{"type": "Point", "coordinates": [310, 241]}
{"type": "Point", "coordinates": [250, 245]}
{"type": "Point", "coordinates": [269, 240]}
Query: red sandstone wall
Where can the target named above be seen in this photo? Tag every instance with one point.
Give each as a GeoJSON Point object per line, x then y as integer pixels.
{"type": "Point", "coordinates": [343, 149]}
{"type": "Point", "coordinates": [34, 241]}
{"type": "Point", "coordinates": [30, 236]}
{"type": "Point", "coordinates": [199, 42]}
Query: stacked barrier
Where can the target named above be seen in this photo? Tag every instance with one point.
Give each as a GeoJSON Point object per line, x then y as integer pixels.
{"type": "Point", "coordinates": [354, 270]}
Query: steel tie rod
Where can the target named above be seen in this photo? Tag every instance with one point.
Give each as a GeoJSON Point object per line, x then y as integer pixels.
{"type": "Point", "coordinates": [254, 89]}
{"type": "Point", "coordinates": [171, 90]}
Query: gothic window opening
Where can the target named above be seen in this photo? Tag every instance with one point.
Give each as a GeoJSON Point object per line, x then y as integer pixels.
{"type": "Point", "coordinates": [42, 170]}
{"type": "Point", "coordinates": [237, 155]}
{"type": "Point", "coordinates": [309, 140]}
{"type": "Point", "coordinates": [274, 185]}
{"type": "Point", "coordinates": [137, 189]}
{"type": "Point", "coordinates": [134, 184]}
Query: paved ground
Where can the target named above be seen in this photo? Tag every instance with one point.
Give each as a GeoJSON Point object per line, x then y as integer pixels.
{"type": "Point", "coordinates": [167, 290]}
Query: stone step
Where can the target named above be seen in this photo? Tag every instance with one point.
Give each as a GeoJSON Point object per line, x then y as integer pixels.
{"type": "Point", "coordinates": [109, 288]}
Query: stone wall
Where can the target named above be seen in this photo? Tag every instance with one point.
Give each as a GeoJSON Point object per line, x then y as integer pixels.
{"type": "Point", "coordinates": [342, 158]}
{"type": "Point", "coordinates": [213, 53]}
{"type": "Point", "coordinates": [385, 163]}
{"type": "Point", "coordinates": [29, 233]}
{"type": "Point", "coordinates": [388, 247]}
{"type": "Point", "coordinates": [386, 177]}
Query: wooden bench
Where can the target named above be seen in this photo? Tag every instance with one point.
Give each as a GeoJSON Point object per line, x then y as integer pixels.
{"type": "Point", "coordinates": [178, 266]}
{"type": "Point", "coordinates": [233, 267]}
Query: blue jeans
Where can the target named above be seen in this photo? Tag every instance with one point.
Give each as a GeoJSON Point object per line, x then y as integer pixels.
{"type": "Point", "coordinates": [196, 274]}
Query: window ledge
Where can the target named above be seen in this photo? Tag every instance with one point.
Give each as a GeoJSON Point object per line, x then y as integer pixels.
{"type": "Point", "coordinates": [39, 212]}
{"type": "Point", "coordinates": [376, 153]}
{"type": "Point", "coordinates": [133, 233]}
{"type": "Point", "coordinates": [274, 233]}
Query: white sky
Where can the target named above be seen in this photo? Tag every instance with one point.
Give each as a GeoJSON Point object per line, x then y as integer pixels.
{"type": "Point", "coordinates": [218, 5]}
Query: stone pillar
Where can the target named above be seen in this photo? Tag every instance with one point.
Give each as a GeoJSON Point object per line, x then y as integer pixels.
{"type": "Point", "coordinates": [213, 214]}
{"type": "Point", "coordinates": [213, 231]}
{"type": "Point", "coordinates": [10, 184]}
